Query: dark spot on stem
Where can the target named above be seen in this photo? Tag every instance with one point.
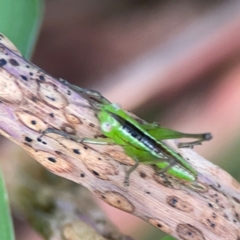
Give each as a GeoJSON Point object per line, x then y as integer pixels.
{"type": "Point", "coordinates": [28, 139]}
{"type": "Point", "coordinates": [210, 205]}
{"type": "Point", "coordinates": [34, 99]}
{"type": "Point", "coordinates": [33, 122]}
{"type": "Point", "coordinates": [51, 115]}
{"type": "Point", "coordinates": [95, 173]}
{"type": "Point", "coordinates": [173, 202]}
{"type": "Point", "coordinates": [42, 78]}
{"type": "Point", "coordinates": [76, 151]}
{"type": "Point", "coordinates": [214, 215]}
{"type": "Point", "coordinates": [24, 77]}
{"type": "Point", "coordinates": [85, 147]}
{"type": "Point", "coordinates": [51, 98]}
{"type": "Point", "coordinates": [13, 62]}
{"type": "Point", "coordinates": [211, 224]}
{"type": "Point", "coordinates": [236, 200]}
{"type": "Point", "coordinates": [51, 159]}
{"type": "Point", "coordinates": [2, 62]}
{"type": "Point", "coordinates": [225, 216]}
{"type": "Point", "coordinates": [142, 174]}
{"type": "Point", "coordinates": [82, 175]}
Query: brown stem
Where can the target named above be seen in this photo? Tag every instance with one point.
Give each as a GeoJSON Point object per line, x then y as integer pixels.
{"type": "Point", "coordinates": [33, 101]}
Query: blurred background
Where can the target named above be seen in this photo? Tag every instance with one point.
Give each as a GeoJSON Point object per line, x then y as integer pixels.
{"type": "Point", "coordinates": [175, 62]}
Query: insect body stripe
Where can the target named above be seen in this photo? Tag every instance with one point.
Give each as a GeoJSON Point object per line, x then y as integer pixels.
{"type": "Point", "coordinates": [138, 135]}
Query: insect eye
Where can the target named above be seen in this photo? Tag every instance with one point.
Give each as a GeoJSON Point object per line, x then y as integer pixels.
{"type": "Point", "coordinates": [106, 127]}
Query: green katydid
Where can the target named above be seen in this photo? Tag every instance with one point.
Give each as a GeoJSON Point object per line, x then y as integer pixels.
{"type": "Point", "coordinates": [140, 141]}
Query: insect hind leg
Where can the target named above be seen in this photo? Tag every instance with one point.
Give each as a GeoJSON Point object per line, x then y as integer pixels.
{"type": "Point", "coordinates": [202, 138]}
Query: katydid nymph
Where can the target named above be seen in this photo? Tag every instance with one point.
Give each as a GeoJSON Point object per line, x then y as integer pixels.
{"type": "Point", "coordinates": [143, 142]}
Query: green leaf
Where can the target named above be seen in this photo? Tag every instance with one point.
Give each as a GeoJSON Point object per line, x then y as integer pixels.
{"type": "Point", "coordinates": [6, 228]}
{"type": "Point", "coordinates": [20, 22]}
{"type": "Point", "coordinates": [168, 238]}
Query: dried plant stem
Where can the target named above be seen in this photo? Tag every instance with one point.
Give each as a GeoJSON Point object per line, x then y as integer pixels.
{"type": "Point", "coordinates": [32, 101]}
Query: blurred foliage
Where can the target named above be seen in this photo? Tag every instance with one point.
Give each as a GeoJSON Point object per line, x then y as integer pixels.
{"type": "Point", "coordinates": [6, 228]}
{"type": "Point", "coordinates": [228, 158]}
{"type": "Point", "coordinates": [168, 238]}
{"type": "Point", "coordinates": [20, 22]}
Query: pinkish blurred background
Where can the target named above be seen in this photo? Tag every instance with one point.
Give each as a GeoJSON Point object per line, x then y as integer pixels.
{"type": "Point", "coordinates": [177, 62]}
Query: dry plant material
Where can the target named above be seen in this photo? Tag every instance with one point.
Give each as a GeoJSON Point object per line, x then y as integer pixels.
{"type": "Point", "coordinates": [32, 101]}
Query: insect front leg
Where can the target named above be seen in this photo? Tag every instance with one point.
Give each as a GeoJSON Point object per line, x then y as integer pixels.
{"type": "Point", "coordinates": [129, 171]}
{"type": "Point", "coordinates": [97, 141]}
{"type": "Point", "coordinates": [88, 93]}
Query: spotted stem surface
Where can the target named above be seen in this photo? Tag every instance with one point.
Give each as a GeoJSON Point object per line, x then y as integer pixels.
{"type": "Point", "coordinates": [32, 101]}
